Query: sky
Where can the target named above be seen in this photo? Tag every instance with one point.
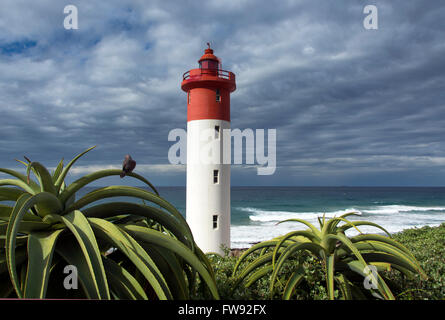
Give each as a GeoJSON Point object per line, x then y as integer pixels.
{"type": "Point", "coordinates": [351, 106]}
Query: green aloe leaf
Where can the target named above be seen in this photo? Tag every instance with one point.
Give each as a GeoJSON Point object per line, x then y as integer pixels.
{"type": "Point", "coordinates": [308, 224]}
{"type": "Point", "coordinates": [304, 233]}
{"type": "Point", "coordinates": [314, 248]}
{"type": "Point", "coordinates": [255, 247]}
{"type": "Point", "coordinates": [18, 183]}
{"type": "Point", "coordinates": [359, 267]}
{"type": "Point", "coordinates": [383, 288]}
{"type": "Point", "coordinates": [168, 243]}
{"type": "Point", "coordinates": [396, 261]}
{"type": "Point", "coordinates": [171, 269]}
{"type": "Point", "coordinates": [131, 248]}
{"type": "Point", "coordinates": [258, 262]}
{"type": "Point", "coordinates": [10, 245]}
{"type": "Point", "coordinates": [201, 256]}
{"type": "Point", "coordinates": [337, 253]}
{"type": "Point", "coordinates": [65, 171]}
{"type": "Point", "coordinates": [293, 282]}
{"type": "Point", "coordinates": [21, 240]}
{"type": "Point", "coordinates": [345, 286]}
{"type": "Point", "coordinates": [57, 172]}
{"type": "Point", "coordinates": [46, 182]}
{"type": "Point", "coordinates": [330, 265]}
{"type": "Point", "coordinates": [26, 227]}
{"type": "Point", "coordinates": [353, 213]}
{"type": "Point", "coordinates": [126, 191]}
{"type": "Point", "coordinates": [83, 181]}
{"type": "Point", "coordinates": [258, 275]}
{"type": "Point", "coordinates": [20, 257]}
{"type": "Point", "coordinates": [386, 248]}
{"type": "Point", "coordinates": [69, 249]}
{"type": "Point", "coordinates": [121, 280]}
{"type": "Point", "coordinates": [10, 194]}
{"type": "Point", "coordinates": [46, 203]}
{"type": "Point", "coordinates": [33, 187]}
{"type": "Point", "coordinates": [166, 219]}
{"type": "Point", "coordinates": [5, 214]}
{"type": "Point", "coordinates": [377, 237]}
{"type": "Point", "coordinates": [332, 224]}
{"type": "Point", "coordinates": [40, 252]}
{"type": "Point", "coordinates": [344, 228]}
{"type": "Point", "coordinates": [79, 225]}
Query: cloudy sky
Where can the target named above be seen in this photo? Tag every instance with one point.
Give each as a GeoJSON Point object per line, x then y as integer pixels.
{"type": "Point", "coordinates": [351, 106]}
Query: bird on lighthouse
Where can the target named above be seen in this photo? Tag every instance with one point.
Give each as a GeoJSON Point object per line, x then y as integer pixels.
{"type": "Point", "coordinates": [208, 89]}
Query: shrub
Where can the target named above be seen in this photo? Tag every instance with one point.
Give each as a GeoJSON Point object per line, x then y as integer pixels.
{"type": "Point", "coordinates": [428, 245]}
{"type": "Point", "coordinates": [46, 228]}
{"type": "Point", "coordinates": [346, 262]}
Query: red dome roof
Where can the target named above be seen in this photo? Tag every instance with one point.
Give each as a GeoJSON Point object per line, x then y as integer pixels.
{"type": "Point", "coordinates": [208, 55]}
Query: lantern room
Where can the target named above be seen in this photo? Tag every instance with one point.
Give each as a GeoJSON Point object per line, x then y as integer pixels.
{"type": "Point", "coordinates": [209, 61]}
{"type": "Point", "coordinates": [209, 74]}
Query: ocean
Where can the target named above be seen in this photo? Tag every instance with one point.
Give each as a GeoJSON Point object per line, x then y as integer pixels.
{"type": "Point", "coordinates": [256, 210]}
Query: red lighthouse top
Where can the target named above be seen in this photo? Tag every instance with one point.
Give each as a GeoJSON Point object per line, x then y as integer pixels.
{"type": "Point", "coordinates": [209, 60]}
{"type": "Point", "coordinates": [210, 72]}
{"type": "Point", "coordinates": [208, 89]}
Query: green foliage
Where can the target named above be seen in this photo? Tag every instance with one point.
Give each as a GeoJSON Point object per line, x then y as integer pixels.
{"type": "Point", "coordinates": [223, 266]}
{"type": "Point", "coordinates": [122, 250]}
{"type": "Point", "coordinates": [428, 245]}
{"type": "Point", "coordinates": [312, 288]}
{"type": "Point", "coordinates": [291, 262]}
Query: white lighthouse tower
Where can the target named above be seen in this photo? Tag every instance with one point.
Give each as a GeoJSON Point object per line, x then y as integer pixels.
{"type": "Point", "coordinates": [208, 177]}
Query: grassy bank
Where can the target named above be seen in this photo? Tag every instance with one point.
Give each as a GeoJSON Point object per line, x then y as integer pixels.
{"type": "Point", "coordinates": [427, 245]}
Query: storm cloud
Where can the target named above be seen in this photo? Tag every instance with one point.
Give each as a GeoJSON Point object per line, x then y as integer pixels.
{"type": "Point", "coordinates": [351, 106]}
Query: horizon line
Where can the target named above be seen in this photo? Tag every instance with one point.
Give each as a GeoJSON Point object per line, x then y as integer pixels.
{"type": "Point", "coordinates": [302, 186]}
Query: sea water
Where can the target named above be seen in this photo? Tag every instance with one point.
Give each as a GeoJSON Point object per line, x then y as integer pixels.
{"type": "Point", "coordinates": [255, 211]}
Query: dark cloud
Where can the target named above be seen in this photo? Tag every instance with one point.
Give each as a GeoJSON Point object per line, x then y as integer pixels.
{"type": "Point", "coordinates": [351, 106]}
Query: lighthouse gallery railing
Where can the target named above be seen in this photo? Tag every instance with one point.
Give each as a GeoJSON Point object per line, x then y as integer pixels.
{"type": "Point", "coordinates": [223, 74]}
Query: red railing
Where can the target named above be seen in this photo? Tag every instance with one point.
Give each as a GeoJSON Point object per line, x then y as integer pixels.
{"type": "Point", "coordinates": [223, 74]}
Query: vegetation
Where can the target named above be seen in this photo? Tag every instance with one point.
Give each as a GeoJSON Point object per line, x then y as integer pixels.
{"type": "Point", "coordinates": [128, 250]}
{"type": "Point", "coordinates": [346, 263]}
{"type": "Point", "coordinates": [427, 244]}
{"type": "Point", "coordinates": [122, 250]}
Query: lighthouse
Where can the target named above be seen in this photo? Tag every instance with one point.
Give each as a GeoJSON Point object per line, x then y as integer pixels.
{"type": "Point", "coordinates": [208, 91]}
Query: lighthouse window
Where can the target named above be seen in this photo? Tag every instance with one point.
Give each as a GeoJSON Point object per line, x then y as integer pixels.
{"type": "Point", "coordinates": [215, 176]}
{"type": "Point", "coordinates": [209, 64]}
{"type": "Point", "coordinates": [216, 132]}
{"type": "Point", "coordinates": [218, 95]}
{"type": "Point", "coordinates": [188, 97]}
{"type": "Point", "coordinates": [215, 221]}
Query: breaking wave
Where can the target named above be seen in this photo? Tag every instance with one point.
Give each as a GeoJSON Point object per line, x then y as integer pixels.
{"type": "Point", "coordinates": [276, 216]}
{"type": "Point", "coordinates": [394, 218]}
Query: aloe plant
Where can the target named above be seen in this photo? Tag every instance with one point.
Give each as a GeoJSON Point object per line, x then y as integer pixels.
{"type": "Point", "coordinates": [343, 259]}
{"type": "Point", "coordinates": [122, 250]}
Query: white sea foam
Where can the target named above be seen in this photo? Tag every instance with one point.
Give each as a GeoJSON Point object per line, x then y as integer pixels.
{"type": "Point", "coordinates": [276, 216]}
{"type": "Point", "coordinates": [244, 236]}
{"type": "Point", "coordinates": [394, 218]}
{"type": "Point", "coordinates": [400, 208]}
